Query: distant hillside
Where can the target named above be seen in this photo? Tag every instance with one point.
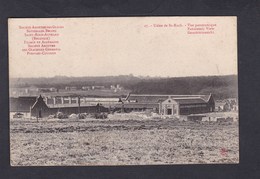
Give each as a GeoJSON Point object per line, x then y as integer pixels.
{"type": "Point", "coordinates": [62, 81]}
{"type": "Point", "coordinates": [220, 86]}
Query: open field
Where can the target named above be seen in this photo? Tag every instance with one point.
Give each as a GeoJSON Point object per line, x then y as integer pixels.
{"type": "Point", "coordinates": [123, 141]}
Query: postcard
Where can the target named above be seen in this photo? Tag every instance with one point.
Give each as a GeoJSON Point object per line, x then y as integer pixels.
{"type": "Point", "coordinates": [106, 91]}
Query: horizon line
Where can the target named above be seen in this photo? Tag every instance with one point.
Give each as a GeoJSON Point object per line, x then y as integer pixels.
{"type": "Point", "coordinates": [143, 76]}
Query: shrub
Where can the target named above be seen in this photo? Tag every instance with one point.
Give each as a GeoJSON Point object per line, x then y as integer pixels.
{"type": "Point", "coordinates": [60, 115]}
{"type": "Point", "coordinates": [100, 115]}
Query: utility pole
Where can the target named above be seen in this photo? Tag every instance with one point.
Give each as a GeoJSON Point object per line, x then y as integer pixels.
{"type": "Point", "coordinates": [122, 108]}
{"type": "Point", "coordinates": [79, 107]}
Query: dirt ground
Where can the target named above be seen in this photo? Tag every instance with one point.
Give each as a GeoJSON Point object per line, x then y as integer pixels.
{"type": "Point", "coordinates": [116, 141]}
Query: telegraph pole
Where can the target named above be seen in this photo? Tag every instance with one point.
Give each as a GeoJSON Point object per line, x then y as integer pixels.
{"type": "Point", "coordinates": [79, 107]}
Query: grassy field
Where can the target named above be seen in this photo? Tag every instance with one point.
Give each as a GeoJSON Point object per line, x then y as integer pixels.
{"type": "Point", "coordinates": [122, 141]}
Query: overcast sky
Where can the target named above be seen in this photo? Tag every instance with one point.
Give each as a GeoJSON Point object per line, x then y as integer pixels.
{"type": "Point", "coordinates": [122, 46]}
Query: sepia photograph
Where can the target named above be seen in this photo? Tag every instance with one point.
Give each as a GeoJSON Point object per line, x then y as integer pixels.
{"type": "Point", "coordinates": [110, 91]}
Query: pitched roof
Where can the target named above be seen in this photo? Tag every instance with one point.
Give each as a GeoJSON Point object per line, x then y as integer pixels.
{"type": "Point", "coordinates": [21, 104]}
{"type": "Point", "coordinates": [206, 97]}
{"type": "Point", "coordinates": [190, 101]}
{"type": "Point", "coordinates": [139, 105]}
{"type": "Point", "coordinates": [69, 105]}
{"type": "Point", "coordinates": [147, 98]}
{"type": "Point", "coordinates": [183, 99]}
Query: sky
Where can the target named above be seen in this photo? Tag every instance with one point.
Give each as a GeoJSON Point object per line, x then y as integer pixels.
{"type": "Point", "coordinates": [122, 46]}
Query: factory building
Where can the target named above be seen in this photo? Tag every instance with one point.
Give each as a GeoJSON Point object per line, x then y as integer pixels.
{"type": "Point", "coordinates": [161, 104]}
{"type": "Point", "coordinates": [170, 104]}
